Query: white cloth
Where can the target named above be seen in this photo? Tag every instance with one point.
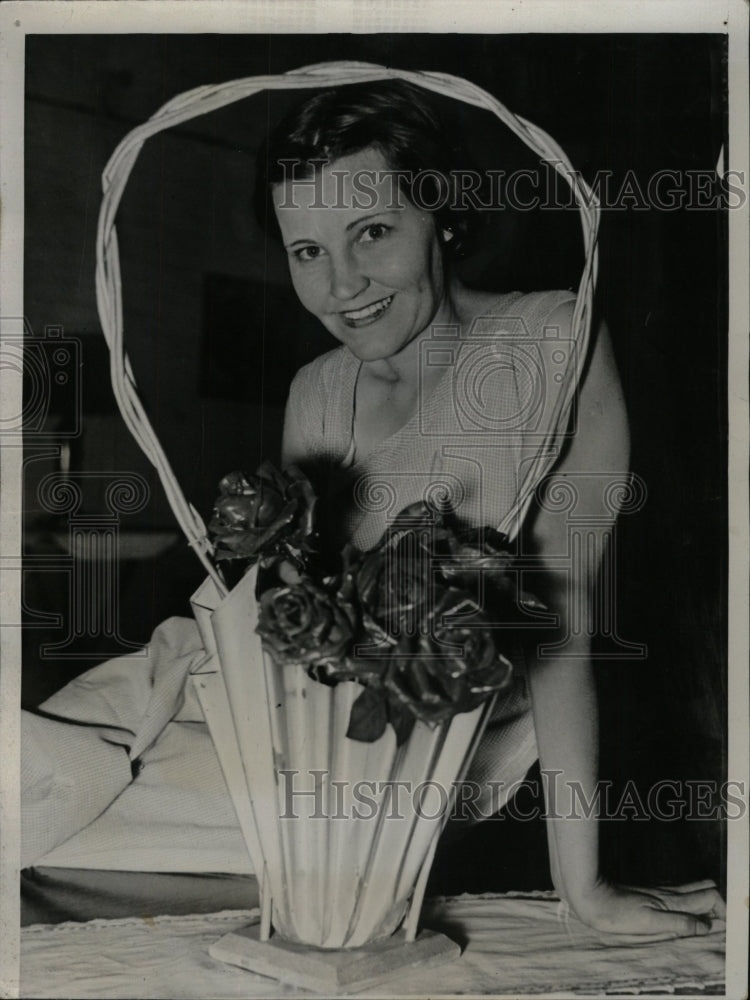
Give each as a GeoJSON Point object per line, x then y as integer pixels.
{"type": "Point", "coordinates": [81, 807]}
{"type": "Point", "coordinates": [515, 945]}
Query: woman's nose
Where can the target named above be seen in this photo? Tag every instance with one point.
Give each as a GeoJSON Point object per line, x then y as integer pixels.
{"type": "Point", "coordinates": [347, 278]}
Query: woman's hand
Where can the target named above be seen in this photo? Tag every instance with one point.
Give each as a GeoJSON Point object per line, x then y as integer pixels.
{"type": "Point", "coordinates": [674, 911]}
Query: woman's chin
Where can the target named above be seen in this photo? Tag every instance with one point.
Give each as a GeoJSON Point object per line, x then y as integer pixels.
{"type": "Point", "coordinates": [367, 345]}
{"type": "Point", "coordinates": [364, 353]}
{"type": "Point", "coordinates": [376, 343]}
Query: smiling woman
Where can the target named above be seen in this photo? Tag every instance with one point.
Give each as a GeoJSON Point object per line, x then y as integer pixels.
{"type": "Point", "coordinates": [432, 390]}
{"type": "Point", "coordinates": [370, 232]}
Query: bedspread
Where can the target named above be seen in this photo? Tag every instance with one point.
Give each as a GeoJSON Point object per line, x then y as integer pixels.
{"type": "Point", "coordinates": [513, 944]}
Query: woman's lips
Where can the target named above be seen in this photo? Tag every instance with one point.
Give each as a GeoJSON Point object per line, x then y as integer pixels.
{"type": "Point", "coordinates": [368, 314]}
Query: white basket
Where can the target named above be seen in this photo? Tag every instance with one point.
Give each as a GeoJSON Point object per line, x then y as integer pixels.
{"type": "Point", "coordinates": [333, 882]}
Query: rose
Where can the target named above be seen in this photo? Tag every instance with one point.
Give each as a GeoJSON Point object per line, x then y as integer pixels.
{"type": "Point", "coordinates": [243, 520]}
{"type": "Point", "coordinates": [476, 549]}
{"type": "Point", "coordinates": [303, 623]}
{"type": "Point", "coordinates": [446, 667]}
{"type": "Point", "coordinates": [483, 553]}
{"type": "Point", "coordinates": [268, 515]}
{"type": "Point", "coordinates": [393, 583]}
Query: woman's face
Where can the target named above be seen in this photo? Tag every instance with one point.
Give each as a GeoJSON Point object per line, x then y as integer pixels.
{"type": "Point", "coordinates": [363, 258]}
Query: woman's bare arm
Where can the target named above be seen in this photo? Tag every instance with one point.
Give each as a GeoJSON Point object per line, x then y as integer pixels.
{"type": "Point", "coordinates": [562, 687]}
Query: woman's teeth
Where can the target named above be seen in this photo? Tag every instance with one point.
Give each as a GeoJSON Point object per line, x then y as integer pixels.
{"type": "Point", "coordinates": [370, 312]}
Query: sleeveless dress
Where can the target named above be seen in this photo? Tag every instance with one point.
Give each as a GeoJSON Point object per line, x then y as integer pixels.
{"type": "Point", "coordinates": [466, 443]}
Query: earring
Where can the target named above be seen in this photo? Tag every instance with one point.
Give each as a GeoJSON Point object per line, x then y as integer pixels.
{"type": "Point", "coordinates": [447, 234]}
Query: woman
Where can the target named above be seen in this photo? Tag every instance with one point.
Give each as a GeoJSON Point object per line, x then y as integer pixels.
{"type": "Point", "coordinates": [391, 412]}
{"type": "Point", "coordinates": [371, 257]}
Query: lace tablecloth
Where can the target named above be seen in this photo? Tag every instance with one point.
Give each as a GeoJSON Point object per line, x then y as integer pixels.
{"type": "Point", "coordinates": [512, 945]}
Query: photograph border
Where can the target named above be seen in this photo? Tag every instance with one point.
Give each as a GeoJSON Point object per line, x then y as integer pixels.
{"type": "Point", "coordinates": [20, 19]}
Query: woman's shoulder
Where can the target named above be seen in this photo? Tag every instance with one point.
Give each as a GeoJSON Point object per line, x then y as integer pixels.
{"type": "Point", "coordinates": [483, 312]}
{"type": "Point", "coordinates": [325, 370]}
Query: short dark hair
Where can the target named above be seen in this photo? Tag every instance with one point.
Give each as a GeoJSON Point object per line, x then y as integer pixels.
{"type": "Point", "coordinates": [394, 116]}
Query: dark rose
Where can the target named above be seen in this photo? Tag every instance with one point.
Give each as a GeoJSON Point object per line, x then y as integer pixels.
{"type": "Point", "coordinates": [445, 668]}
{"type": "Point", "coordinates": [477, 549]}
{"type": "Point", "coordinates": [303, 623]}
{"type": "Point", "coordinates": [393, 583]}
{"type": "Point", "coordinates": [270, 514]}
{"type": "Point", "coordinates": [484, 553]}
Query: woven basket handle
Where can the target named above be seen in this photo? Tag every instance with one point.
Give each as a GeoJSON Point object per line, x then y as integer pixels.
{"type": "Point", "coordinates": [202, 100]}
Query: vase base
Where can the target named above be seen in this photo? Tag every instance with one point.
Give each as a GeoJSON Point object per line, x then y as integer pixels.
{"type": "Point", "coordinates": [341, 970]}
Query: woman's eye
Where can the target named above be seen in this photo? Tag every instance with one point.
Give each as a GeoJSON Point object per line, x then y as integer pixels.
{"type": "Point", "coordinates": [305, 254]}
{"type": "Point", "coordinates": [375, 231]}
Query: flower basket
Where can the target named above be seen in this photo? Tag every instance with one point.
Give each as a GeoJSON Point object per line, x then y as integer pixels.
{"type": "Point", "coordinates": [338, 830]}
{"type": "Point", "coordinates": [335, 872]}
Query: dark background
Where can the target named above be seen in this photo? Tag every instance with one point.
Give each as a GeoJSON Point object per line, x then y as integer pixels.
{"type": "Point", "coordinates": [215, 334]}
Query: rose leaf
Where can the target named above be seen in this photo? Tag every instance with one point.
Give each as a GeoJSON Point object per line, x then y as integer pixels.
{"type": "Point", "coordinates": [368, 718]}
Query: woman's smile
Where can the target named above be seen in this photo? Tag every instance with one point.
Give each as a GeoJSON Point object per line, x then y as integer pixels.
{"type": "Point", "coordinates": [368, 314]}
